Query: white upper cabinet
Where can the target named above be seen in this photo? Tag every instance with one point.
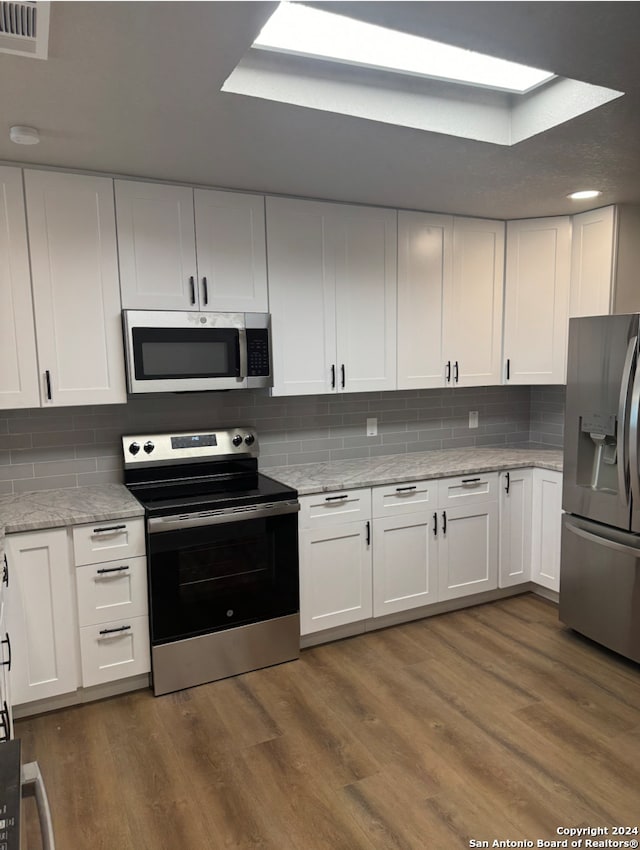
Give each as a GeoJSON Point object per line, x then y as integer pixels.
{"type": "Point", "coordinates": [425, 245]}
{"type": "Point", "coordinates": [332, 291]}
{"type": "Point", "coordinates": [472, 314]}
{"type": "Point", "coordinates": [74, 268]}
{"type": "Point", "coordinates": [177, 256]}
{"type": "Point", "coordinates": [18, 364]}
{"type": "Point", "coordinates": [230, 243]}
{"type": "Point", "coordinates": [157, 245]}
{"type": "Point", "coordinates": [592, 262]}
{"type": "Point", "coordinates": [538, 271]}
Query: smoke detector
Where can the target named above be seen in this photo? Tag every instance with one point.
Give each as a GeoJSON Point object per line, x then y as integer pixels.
{"type": "Point", "coordinates": [24, 28]}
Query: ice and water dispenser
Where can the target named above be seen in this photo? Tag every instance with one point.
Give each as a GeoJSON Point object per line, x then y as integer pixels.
{"type": "Point", "coordinates": [598, 452]}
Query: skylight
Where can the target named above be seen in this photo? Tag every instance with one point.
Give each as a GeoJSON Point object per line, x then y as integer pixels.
{"type": "Point", "coordinates": [297, 29]}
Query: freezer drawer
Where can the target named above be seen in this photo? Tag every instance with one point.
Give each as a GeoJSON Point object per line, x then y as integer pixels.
{"type": "Point", "coordinates": [600, 584]}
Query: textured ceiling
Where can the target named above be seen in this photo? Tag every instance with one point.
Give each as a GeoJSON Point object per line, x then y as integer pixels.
{"type": "Point", "coordinates": [133, 88]}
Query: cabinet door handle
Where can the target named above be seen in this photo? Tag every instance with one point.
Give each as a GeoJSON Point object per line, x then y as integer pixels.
{"type": "Point", "coordinates": [343, 375]}
{"type": "Point", "coordinates": [205, 291]}
{"type": "Point", "coordinates": [103, 570]}
{"type": "Point", "coordinates": [109, 529]}
{"type": "Point", "coordinates": [192, 287]}
{"type": "Point", "coordinates": [47, 378]}
{"type": "Point", "coordinates": [508, 480]}
{"type": "Point", "coordinates": [4, 722]}
{"type": "Point", "coordinates": [435, 523]}
{"type": "Point", "coordinates": [405, 489]}
{"type": "Point", "coordinates": [333, 376]}
{"type": "Point", "coordinates": [5, 572]}
{"type": "Point", "coordinates": [115, 631]}
{"type": "Point", "coordinates": [448, 372]}
{"type": "Point", "coordinates": [336, 498]}
{"type": "Point", "coordinates": [7, 663]}
{"type": "Point", "coordinates": [508, 368]}
{"type": "Point", "coordinates": [444, 522]}
{"type": "Point", "coordinates": [455, 372]}
{"type": "Point", "coordinates": [368, 533]}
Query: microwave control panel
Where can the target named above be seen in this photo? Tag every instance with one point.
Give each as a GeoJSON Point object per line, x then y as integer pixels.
{"type": "Point", "coordinates": [258, 359]}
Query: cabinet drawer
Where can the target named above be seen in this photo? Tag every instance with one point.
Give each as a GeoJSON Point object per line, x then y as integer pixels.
{"type": "Point", "coordinates": [114, 650]}
{"type": "Point", "coordinates": [111, 590]}
{"type": "Point", "coordinates": [106, 541]}
{"type": "Point", "coordinates": [324, 509]}
{"type": "Point", "coordinates": [398, 499]}
{"type": "Point", "coordinates": [468, 490]}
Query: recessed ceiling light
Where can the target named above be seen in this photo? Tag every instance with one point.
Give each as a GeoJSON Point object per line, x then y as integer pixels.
{"type": "Point", "coordinates": [584, 194]}
{"type": "Point", "coordinates": [24, 135]}
{"type": "Point", "coordinates": [300, 30]}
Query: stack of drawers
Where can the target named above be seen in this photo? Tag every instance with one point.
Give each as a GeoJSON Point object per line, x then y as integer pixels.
{"type": "Point", "coordinates": [111, 582]}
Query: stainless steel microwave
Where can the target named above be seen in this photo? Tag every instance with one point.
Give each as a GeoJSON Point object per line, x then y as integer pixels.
{"type": "Point", "coordinates": [168, 352]}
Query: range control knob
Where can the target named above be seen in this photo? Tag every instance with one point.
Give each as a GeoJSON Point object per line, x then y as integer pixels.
{"type": "Point", "coordinates": [237, 440]}
{"type": "Point", "coordinates": [249, 439]}
{"type": "Point", "coordinates": [134, 448]}
{"type": "Point", "coordinates": [148, 447]}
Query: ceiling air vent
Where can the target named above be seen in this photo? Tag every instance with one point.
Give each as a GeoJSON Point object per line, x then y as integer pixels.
{"type": "Point", "coordinates": [24, 28]}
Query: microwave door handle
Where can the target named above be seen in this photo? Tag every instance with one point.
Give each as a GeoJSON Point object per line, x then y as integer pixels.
{"type": "Point", "coordinates": [624, 421]}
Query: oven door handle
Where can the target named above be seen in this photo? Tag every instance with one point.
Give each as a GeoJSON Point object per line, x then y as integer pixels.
{"type": "Point", "coordinates": [178, 522]}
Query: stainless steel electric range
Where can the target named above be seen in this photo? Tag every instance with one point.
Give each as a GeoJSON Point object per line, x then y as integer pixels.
{"type": "Point", "coordinates": [222, 552]}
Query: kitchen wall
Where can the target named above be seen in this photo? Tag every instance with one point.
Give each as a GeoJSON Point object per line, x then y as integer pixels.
{"type": "Point", "coordinates": [67, 447]}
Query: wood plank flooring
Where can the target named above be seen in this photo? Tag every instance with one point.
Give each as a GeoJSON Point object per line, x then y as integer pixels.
{"type": "Point", "coordinates": [494, 722]}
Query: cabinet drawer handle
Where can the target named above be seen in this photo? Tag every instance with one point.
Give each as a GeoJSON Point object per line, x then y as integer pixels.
{"type": "Point", "coordinates": [336, 498]}
{"type": "Point", "coordinates": [471, 480]}
{"type": "Point", "coordinates": [109, 529]}
{"type": "Point", "coordinates": [7, 663]}
{"type": "Point", "coordinates": [405, 489]}
{"type": "Point", "coordinates": [115, 631]}
{"type": "Point", "coordinates": [105, 570]}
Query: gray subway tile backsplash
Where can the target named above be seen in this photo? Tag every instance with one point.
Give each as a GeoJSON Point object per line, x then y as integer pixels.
{"type": "Point", "coordinates": [46, 448]}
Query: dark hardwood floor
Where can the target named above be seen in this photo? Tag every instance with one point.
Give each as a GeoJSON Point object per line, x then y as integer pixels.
{"type": "Point", "coordinates": [490, 723]}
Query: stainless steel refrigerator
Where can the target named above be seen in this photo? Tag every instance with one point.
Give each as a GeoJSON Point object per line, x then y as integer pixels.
{"type": "Point", "coordinates": [600, 567]}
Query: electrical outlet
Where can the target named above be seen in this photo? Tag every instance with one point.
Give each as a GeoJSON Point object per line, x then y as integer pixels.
{"type": "Point", "coordinates": [473, 419]}
{"type": "Point", "coordinates": [372, 427]}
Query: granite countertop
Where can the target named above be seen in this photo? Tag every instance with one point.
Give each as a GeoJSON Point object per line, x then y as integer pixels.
{"type": "Point", "coordinates": [310, 478]}
{"type": "Point", "coordinates": [54, 508]}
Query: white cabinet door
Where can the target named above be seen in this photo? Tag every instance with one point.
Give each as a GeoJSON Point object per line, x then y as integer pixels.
{"type": "Point", "coordinates": [468, 550]}
{"type": "Point", "coordinates": [6, 662]}
{"type": "Point", "coordinates": [592, 262]}
{"type": "Point", "coordinates": [537, 300]}
{"type": "Point", "coordinates": [335, 576]}
{"type": "Point", "coordinates": [19, 368]}
{"type": "Point", "coordinates": [546, 528]}
{"type": "Point", "coordinates": [230, 240]}
{"type": "Point", "coordinates": [515, 527]}
{"type": "Point", "coordinates": [473, 303]}
{"type": "Point", "coordinates": [41, 618]}
{"type": "Point", "coordinates": [156, 241]}
{"type": "Point", "coordinates": [366, 294]}
{"type": "Point", "coordinates": [74, 266]}
{"type": "Point", "coordinates": [425, 244]}
{"type": "Point", "coordinates": [301, 262]}
{"type": "Point", "coordinates": [404, 563]}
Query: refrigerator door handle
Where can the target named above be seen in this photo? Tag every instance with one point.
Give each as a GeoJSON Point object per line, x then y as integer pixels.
{"type": "Point", "coordinates": [603, 541]}
{"type": "Point", "coordinates": [623, 453]}
{"type": "Point", "coordinates": [633, 437]}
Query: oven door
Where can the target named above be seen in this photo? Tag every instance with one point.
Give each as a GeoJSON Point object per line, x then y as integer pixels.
{"type": "Point", "coordinates": [221, 569]}
{"type": "Point", "coordinates": [178, 352]}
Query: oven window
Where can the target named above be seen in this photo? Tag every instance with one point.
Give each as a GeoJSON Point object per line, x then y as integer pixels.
{"type": "Point", "coordinates": [186, 353]}
{"type": "Point", "coordinates": [210, 578]}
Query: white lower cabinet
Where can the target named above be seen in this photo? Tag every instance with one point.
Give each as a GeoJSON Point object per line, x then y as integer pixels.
{"type": "Point", "coordinates": [468, 550]}
{"type": "Point", "coordinates": [6, 714]}
{"type": "Point", "coordinates": [546, 525]}
{"type": "Point", "coordinates": [41, 618]}
{"type": "Point", "coordinates": [515, 527]}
